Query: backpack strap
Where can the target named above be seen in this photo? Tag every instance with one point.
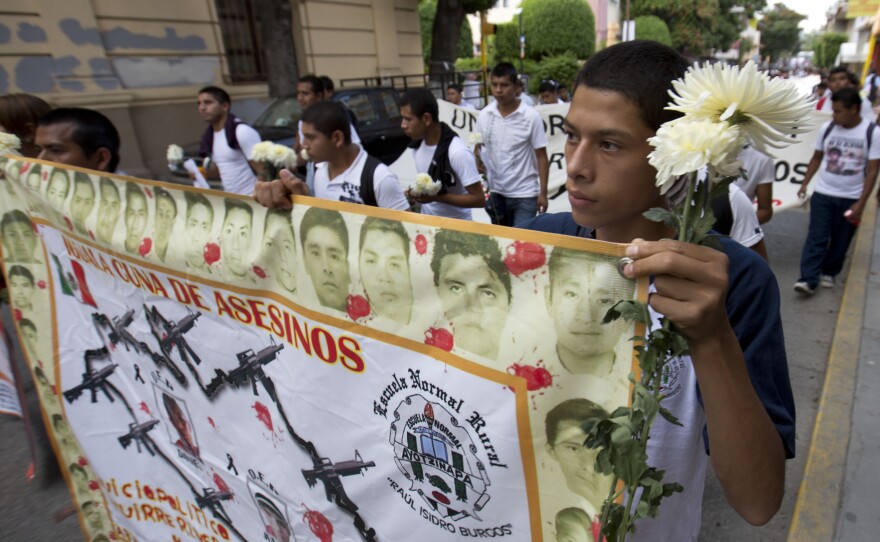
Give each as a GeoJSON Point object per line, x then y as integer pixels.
{"type": "Point", "coordinates": [368, 189]}
{"type": "Point", "coordinates": [723, 214]}
{"type": "Point", "coordinates": [831, 126]}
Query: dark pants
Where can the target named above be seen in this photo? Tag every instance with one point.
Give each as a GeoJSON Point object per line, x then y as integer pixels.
{"type": "Point", "coordinates": [511, 211]}
{"type": "Point", "coordinates": [828, 238]}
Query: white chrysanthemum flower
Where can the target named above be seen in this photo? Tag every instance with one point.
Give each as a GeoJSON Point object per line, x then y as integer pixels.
{"type": "Point", "coordinates": [174, 155]}
{"type": "Point", "coordinates": [9, 143]}
{"type": "Point", "coordinates": [685, 146]}
{"type": "Point", "coordinates": [304, 154]}
{"type": "Point", "coordinates": [262, 151]}
{"type": "Point", "coordinates": [282, 156]}
{"type": "Point", "coordinates": [768, 111]}
{"type": "Point", "coordinates": [476, 138]}
{"type": "Point", "coordinates": [424, 185]}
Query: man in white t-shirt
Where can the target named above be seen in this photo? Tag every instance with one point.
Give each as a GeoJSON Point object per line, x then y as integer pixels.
{"type": "Point", "coordinates": [838, 78]}
{"type": "Point", "coordinates": [454, 95]}
{"type": "Point", "coordinates": [847, 158]}
{"type": "Point", "coordinates": [514, 152]}
{"type": "Point", "coordinates": [758, 182]}
{"type": "Point", "coordinates": [439, 152]}
{"type": "Point", "coordinates": [341, 164]}
{"type": "Point", "coordinates": [228, 141]}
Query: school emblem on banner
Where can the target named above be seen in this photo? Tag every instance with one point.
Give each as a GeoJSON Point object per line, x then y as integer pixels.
{"type": "Point", "coordinates": [438, 457]}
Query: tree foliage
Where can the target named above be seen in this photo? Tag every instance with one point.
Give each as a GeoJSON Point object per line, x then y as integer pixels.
{"type": "Point", "coordinates": [448, 18]}
{"type": "Point", "coordinates": [562, 69]}
{"type": "Point", "coordinates": [699, 27]}
{"type": "Point", "coordinates": [780, 35]}
{"type": "Point", "coordinates": [650, 27]}
{"type": "Point", "coordinates": [427, 11]}
{"type": "Point", "coordinates": [554, 27]}
{"type": "Point", "coordinates": [826, 47]}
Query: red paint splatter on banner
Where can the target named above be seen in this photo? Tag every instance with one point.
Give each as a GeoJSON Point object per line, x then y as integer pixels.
{"type": "Point", "coordinates": [522, 256]}
{"type": "Point", "coordinates": [258, 271]}
{"type": "Point", "coordinates": [93, 485]}
{"type": "Point", "coordinates": [113, 536]}
{"type": "Point", "coordinates": [40, 363]}
{"type": "Point", "coordinates": [41, 284]}
{"type": "Point", "coordinates": [211, 421]}
{"type": "Point", "coordinates": [263, 414]}
{"type": "Point", "coordinates": [35, 228]}
{"type": "Point", "coordinates": [24, 168]}
{"type": "Point", "coordinates": [146, 246]}
{"type": "Point", "coordinates": [222, 485]}
{"type": "Point", "coordinates": [92, 235]}
{"type": "Point", "coordinates": [52, 388]}
{"type": "Point", "coordinates": [144, 408]}
{"type": "Point", "coordinates": [45, 175]}
{"type": "Point", "coordinates": [537, 377]}
{"type": "Point", "coordinates": [68, 223]}
{"type": "Point", "coordinates": [440, 497]}
{"type": "Point", "coordinates": [82, 461]}
{"type": "Point", "coordinates": [212, 253]}
{"type": "Point", "coordinates": [439, 337]}
{"type": "Point", "coordinates": [148, 191]}
{"type": "Point", "coordinates": [421, 244]}
{"type": "Point", "coordinates": [319, 525]}
{"type": "Point", "coordinates": [357, 307]}
{"type": "Point", "coordinates": [597, 530]}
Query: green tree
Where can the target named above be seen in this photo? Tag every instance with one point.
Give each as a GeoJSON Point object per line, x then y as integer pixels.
{"type": "Point", "coordinates": [445, 34]}
{"type": "Point", "coordinates": [650, 27]}
{"type": "Point", "coordinates": [826, 47]}
{"type": "Point", "coordinates": [554, 27]}
{"type": "Point", "coordinates": [505, 46]}
{"type": "Point", "coordinates": [427, 12]}
{"type": "Point", "coordinates": [562, 69]}
{"type": "Point", "coordinates": [780, 35]}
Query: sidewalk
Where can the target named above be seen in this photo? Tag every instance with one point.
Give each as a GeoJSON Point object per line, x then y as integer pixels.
{"type": "Point", "coordinates": [837, 497]}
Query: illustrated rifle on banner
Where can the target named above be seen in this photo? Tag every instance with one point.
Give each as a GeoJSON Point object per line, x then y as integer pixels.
{"type": "Point", "coordinates": [250, 368]}
{"type": "Point", "coordinates": [93, 381]}
{"type": "Point", "coordinates": [137, 432]}
{"type": "Point", "coordinates": [211, 498]}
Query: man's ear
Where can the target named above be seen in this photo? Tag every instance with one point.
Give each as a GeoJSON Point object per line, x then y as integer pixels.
{"type": "Point", "coordinates": [101, 159]}
{"type": "Point", "coordinates": [338, 139]}
{"type": "Point", "coordinates": [428, 119]}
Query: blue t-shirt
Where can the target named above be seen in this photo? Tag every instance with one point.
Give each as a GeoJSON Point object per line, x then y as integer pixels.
{"type": "Point", "coordinates": [753, 312]}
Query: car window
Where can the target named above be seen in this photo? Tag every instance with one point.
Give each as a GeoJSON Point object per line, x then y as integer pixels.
{"type": "Point", "coordinates": [389, 103]}
{"type": "Point", "coordinates": [284, 112]}
{"type": "Point", "coordinates": [360, 105]}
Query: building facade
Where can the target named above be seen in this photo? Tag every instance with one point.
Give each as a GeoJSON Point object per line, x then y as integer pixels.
{"type": "Point", "coordinates": [142, 63]}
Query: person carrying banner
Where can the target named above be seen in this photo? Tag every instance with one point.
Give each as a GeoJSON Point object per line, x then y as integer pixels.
{"type": "Point", "coordinates": [726, 303]}
{"type": "Point", "coordinates": [841, 194]}
{"type": "Point", "coordinates": [454, 96]}
{"type": "Point", "coordinates": [514, 152]}
{"type": "Point", "coordinates": [228, 141]}
{"type": "Point", "coordinates": [439, 152]}
{"type": "Point", "coordinates": [78, 137]}
{"type": "Point", "coordinates": [345, 172]}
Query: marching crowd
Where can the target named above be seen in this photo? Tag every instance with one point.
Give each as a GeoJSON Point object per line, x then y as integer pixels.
{"type": "Point", "coordinates": [725, 303]}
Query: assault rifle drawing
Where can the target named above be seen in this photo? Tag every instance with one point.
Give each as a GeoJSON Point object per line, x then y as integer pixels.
{"type": "Point", "coordinates": [329, 473]}
{"type": "Point", "coordinates": [137, 432]}
{"type": "Point", "coordinates": [93, 381]}
{"type": "Point", "coordinates": [250, 368]}
{"type": "Point", "coordinates": [211, 498]}
{"type": "Point", "coordinates": [118, 328]}
{"type": "Point", "coordinates": [171, 334]}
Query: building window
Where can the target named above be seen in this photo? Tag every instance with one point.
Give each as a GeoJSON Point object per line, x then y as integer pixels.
{"type": "Point", "coordinates": [240, 30]}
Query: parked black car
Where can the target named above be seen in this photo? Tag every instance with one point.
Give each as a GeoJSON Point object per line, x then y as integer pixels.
{"type": "Point", "coordinates": [377, 114]}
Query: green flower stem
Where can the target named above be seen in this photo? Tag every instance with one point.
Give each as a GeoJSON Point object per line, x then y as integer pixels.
{"type": "Point", "coordinates": [688, 205]}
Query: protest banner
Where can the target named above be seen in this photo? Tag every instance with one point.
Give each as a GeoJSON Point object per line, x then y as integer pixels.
{"type": "Point", "coordinates": [9, 403]}
{"type": "Point", "coordinates": [790, 162]}
{"type": "Point", "coordinates": [212, 370]}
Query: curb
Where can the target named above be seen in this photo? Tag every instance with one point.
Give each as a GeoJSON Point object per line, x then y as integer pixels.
{"type": "Point", "coordinates": [820, 493]}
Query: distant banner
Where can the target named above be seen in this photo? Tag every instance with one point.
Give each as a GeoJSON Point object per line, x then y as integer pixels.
{"type": "Point", "coordinates": [791, 162]}
{"type": "Point", "coordinates": [211, 370]}
{"type": "Point", "coordinates": [9, 401]}
{"type": "Point", "coordinates": [861, 8]}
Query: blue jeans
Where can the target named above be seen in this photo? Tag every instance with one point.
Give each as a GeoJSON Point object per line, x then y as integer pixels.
{"type": "Point", "coordinates": [511, 211]}
{"type": "Point", "coordinates": [828, 238]}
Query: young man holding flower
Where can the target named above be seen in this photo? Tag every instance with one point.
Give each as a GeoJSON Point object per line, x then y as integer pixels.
{"type": "Point", "coordinates": [228, 141]}
{"type": "Point", "coordinates": [439, 152]}
{"type": "Point", "coordinates": [726, 304]}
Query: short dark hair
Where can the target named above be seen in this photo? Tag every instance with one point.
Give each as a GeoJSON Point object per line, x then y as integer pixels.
{"type": "Point", "coordinates": [421, 101]}
{"type": "Point", "coordinates": [132, 189]}
{"type": "Point", "coordinates": [327, 83]}
{"type": "Point", "coordinates": [82, 178]}
{"type": "Point", "coordinates": [448, 242]}
{"type": "Point", "coordinates": [838, 69]}
{"type": "Point", "coordinates": [373, 223]}
{"type": "Point", "coordinates": [578, 410]}
{"type": "Point", "coordinates": [60, 172]}
{"type": "Point", "coordinates": [281, 213]}
{"type": "Point", "coordinates": [548, 85]}
{"type": "Point", "coordinates": [15, 216]}
{"type": "Point", "coordinates": [55, 419]}
{"type": "Point", "coordinates": [314, 81]}
{"type": "Point", "coordinates": [21, 271]}
{"type": "Point", "coordinates": [641, 70]}
{"type": "Point", "coordinates": [161, 193]}
{"type": "Point", "coordinates": [26, 322]}
{"type": "Point", "coordinates": [332, 220]}
{"type": "Point", "coordinates": [106, 181]}
{"type": "Point", "coordinates": [848, 96]}
{"type": "Point", "coordinates": [193, 198]}
{"type": "Point", "coordinates": [328, 117]}
{"type": "Point", "coordinates": [229, 204]}
{"type": "Point", "coordinates": [218, 93]}
{"type": "Point", "coordinates": [455, 86]}
{"type": "Point", "coordinates": [92, 131]}
{"type": "Point", "coordinates": [18, 110]}
{"type": "Point", "coordinates": [854, 79]}
{"type": "Point", "coordinates": [505, 69]}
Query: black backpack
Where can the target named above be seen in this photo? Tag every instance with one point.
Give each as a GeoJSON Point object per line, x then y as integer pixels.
{"type": "Point", "coordinates": [367, 189]}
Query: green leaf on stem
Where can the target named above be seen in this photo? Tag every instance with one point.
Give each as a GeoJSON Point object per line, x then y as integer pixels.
{"type": "Point", "coordinates": [667, 217]}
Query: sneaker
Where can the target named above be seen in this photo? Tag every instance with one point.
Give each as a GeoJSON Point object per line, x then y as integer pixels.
{"type": "Point", "coordinates": [827, 281]}
{"type": "Point", "coordinates": [803, 288]}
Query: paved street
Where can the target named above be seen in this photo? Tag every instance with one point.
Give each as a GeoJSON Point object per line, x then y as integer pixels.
{"type": "Point", "coordinates": [29, 510]}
